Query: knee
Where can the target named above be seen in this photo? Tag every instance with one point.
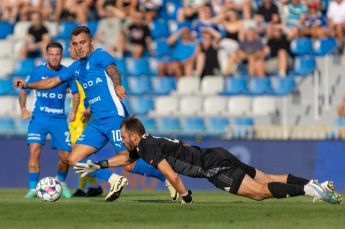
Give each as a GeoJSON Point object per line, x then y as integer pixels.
{"type": "Point", "coordinates": [71, 160]}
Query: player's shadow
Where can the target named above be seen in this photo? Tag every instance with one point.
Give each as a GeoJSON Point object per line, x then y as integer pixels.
{"type": "Point", "coordinates": [154, 201]}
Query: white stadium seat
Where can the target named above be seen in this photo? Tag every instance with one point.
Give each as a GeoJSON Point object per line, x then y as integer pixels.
{"type": "Point", "coordinates": [165, 105]}
{"type": "Point", "coordinates": [191, 105]}
{"type": "Point", "coordinates": [6, 48]}
{"type": "Point", "coordinates": [188, 85]}
{"type": "Point", "coordinates": [6, 66]}
{"type": "Point", "coordinates": [239, 105]}
{"type": "Point", "coordinates": [215, 105]}
{"type": "Point", "coordinates": [212, 85]}
{"type": "Point", "coordinates": [8, 103]}
{"type": "Point", "coordinates": [264, 105]}
{"type": "Point", "coordinates": [21, 29]}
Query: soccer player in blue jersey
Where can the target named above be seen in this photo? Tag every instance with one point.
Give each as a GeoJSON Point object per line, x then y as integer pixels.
{"type": "Point", "coordinates": [96, 71]}
{"type": "Point", "coordinates": [48, 117]}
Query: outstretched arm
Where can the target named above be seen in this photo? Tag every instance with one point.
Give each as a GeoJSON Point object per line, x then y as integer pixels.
{"type": "Point", "coordinates": [44, 84]}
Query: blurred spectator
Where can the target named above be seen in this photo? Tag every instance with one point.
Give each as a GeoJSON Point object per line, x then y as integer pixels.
{"type": "Point", "coordinates": [150, 8]}
{"type": "Point", "coordinates": [187, 12]}
{"type": "Point", "coordinates": [268, 12]}
{"type": "Point", "coordinates": [9, 10]}
{"type": "Point", "coordinates": [74, 10]}
{"type": "Point", "coordinates": [183, 57]}
{"type": "Point", "coordinates": [242, 6]}
{"type": "Point", "coordinates": [109, 30]}
{"type": "Point", "coordinates": [296, 15]}
{"type": "Point", "coordinates": [251, 50]}
{"type": "Point", "coordinates": [233, 33]}
{"type": "Point", "coordinates": [126, 6]}
{"type": "Point", "coordinates": [205, 20]}
{"type": "Point", "coordinates": [315, 24]}
{"type": "Point", "coordinates": [336, 21]}
{"type": "Point", "coordinates": [278, 49]}
{"type": "Point", "coordinates": [341, 109]}
{"type": "Point", "coordinates": [136, 37]}
{"type": "Point", "coordinates": [207, 61]}
{"type": "Point", "coordinates": [106, 8]}
{"type": "Point", "coordinates": [36, 39]}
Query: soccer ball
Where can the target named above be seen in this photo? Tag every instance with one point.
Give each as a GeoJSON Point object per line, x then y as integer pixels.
{"type": "Point", "coordinates": [49, 189]}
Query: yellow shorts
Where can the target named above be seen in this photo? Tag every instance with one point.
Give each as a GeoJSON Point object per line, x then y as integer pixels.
{"type": "Point", "coordinates": [76, 130]}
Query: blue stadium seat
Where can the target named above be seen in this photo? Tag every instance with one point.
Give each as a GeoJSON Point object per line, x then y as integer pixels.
{"type": "Point", "coordinates": [193, 124]}
{"type": "Point", "coordinates": [149, 123]}
{"type": "Point", "coordinates": [282, 86]}
{"type": "Point", "coordinates": [6, 124]}
{"type": "Point", "coordinates": [216, 124]}
{"type": "Point", "coordinates": [22, 125]}
{"type": "Point", "coordinates": [242, 127]}
{"type": "Point", "coordinates": [170, 9]}
{"type": "Point", "coordinates": [136, 67]}
{"type": "Point", "coordinates": [138, 85]}
{"type": "Point", "coordinates": [140, 105]}
{"type": "Point", "coordinates": [159, 28]}
{"type": "Point", "coordinates": [168, 124]}
{"type": "Point", "coordinates": [324, 46]}
{"type": "Point", "coordinates": [259, 86]}
{"type": "Point", "coordinates": [92, 26]}
{"type": "Point", "coordinates": [65, 30]}
{"type": "Point", "coordinates": [24, 67]}
{"type": "Point", "coordinates": [163, 85]}
{"type": "Point", "coordinates": [121, 65]}
{"type": "Point", "coordinates": [161, 48]}
{"type": "Point", "coordinates": [235, 86]}
{"type": "Point", "coordinates": [302, 46]}
{"type": "Point", "coordinates": [5, 87]}
{"type": "Point", "coordinates": [182, 52]}
{"type": "Point", "coordinates": [303, 66]}
{"type": "Point", "coordinates": [6, 29]}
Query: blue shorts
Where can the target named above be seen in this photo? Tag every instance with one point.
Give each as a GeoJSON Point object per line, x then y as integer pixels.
{"type": "Point", "coordinates": [99, 132]}
{"type": "Point", "coordinates": [40, 126]}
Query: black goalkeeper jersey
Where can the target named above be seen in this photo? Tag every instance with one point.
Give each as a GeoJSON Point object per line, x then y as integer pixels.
{"type": "Point", "coordinates": [186, 160]}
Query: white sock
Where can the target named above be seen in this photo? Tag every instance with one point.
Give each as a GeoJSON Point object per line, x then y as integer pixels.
{"type": "Point", "coordinates": [114, 177]}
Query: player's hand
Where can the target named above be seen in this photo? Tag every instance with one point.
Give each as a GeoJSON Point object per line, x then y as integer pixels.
{"type": "Point", "coordinates": [86, 116]}
{"type": "Point", "coordinates": [19, 83]}
{"type": "Point", "coordinates": [187, 198]}
{"type": "Point", "coordinates": [85, 168]}
{"type": "Point", "coordinates": [25, 114]}
{"type": "Point", "coordinates": [121, 92]}
{"type": "Point", "coordinates": [71, 117]}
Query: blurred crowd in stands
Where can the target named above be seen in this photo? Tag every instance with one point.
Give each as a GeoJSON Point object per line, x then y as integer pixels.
{"type": "Point", "coordinates": [205, 37]}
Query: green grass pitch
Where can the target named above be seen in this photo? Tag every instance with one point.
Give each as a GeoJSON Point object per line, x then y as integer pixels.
{"type": "Point", "coordinates": [154, 210]}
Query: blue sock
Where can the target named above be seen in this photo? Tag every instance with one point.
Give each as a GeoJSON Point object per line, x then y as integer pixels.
{"type": "Point", "coordinates": [33, 180]}
{"type": "Point", "coordinates": [143, 168]}
{"type": "Point", "coordinates": [61, 175]}
{"type": "Point", "coordinates": [103, 174]}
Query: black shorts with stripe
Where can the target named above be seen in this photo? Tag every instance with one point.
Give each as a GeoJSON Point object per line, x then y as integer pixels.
{"type": "Point", "coordinates": [225, 170]}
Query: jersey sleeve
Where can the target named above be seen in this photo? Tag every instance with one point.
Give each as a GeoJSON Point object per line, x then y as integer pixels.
{"type": "Point", "coordinates": [73, 86]}
{"type": "Point", "coordinates": [104, 59]}
{"type": "Point", "coordinates": [68, 73]}
{"type": "Point", "coordinates": [32, 77]}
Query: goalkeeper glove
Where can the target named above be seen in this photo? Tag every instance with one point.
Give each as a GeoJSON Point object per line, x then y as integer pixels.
{"type": "Point", "coordinates": [85, 168]}
{"type": "Point", "coordinates": [187, 197]}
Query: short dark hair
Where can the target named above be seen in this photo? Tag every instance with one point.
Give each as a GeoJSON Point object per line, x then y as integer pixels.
{"type": "Point", "coordinates": [81, 29]}
{"type": "Point", "coordinates": [134, 125]}
{"type": "Point", "coordinates": [54, 44]}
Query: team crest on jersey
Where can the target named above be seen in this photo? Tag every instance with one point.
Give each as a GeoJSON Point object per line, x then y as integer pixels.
{"type": "Point", "coordinates": [87, 66]}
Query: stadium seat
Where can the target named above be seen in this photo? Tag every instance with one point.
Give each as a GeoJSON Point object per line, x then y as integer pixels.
{"type": "Point", "coordinates": [136, 67]}
{"type": "Point", "coordinates": [191, 105]}
{"type": "Point", "coordinates": [168, 124]}
{"type": "Point", "coordinates": [21, 29]}
{"type": "Point", "coordinates": [303, 66]}
{"type": "Point", "coordinates": [188, 85]}
{"type": "Point", "coordinates": [6, 125]}
{"type": "Point", "coordinates": [149, 123]}
{"type": "Point", "coordinates": [21, 125]}
{"type": "Point", "coordinates": [153, 65]}
{"type": "Point", "coordinates": [93, 27]}
{"type": "Point", "coordinates": [302, 46]}
{"type": "Point", "coordinates": [163, 85]}
{"type": "Point", "coordinates": [159, 28]}
{"type": "Point", "coordinates": [182, 52]}
{"type": "Point", "coordinates": [7, 66]}
{"type": "Point", "coordinates": [242, 127]}
{"type": "Point", "coordinates": [212, 85]}
{"type": "Point", "coordinates": [235, 86]}
{"type": "Point", "coordinates": [259, 86]}
{"type": "Point", "coordinates": [52, 27]}
{"type": "Point", "coordinates": [192, 124]}
{"type": "Point", "coordinates": [6, 29]}
{"type": "Point", "coordinates": [65, 30]}
{"type": "Point", "coordinates": [5, 87]}
{"type": "Point", "coordinates": [165, 105]}
{"type": "Point", "coordinates": [239, 105]}
{"type": "Point", "coordinates": [216, 124]}
{"type": "Point", "coordinates": [170, 9]}
{"type": "Point", "coordinates": [215, 105]}
{"type": "Point", "coordinates": [7, 48]}
{"type": "Point", "coordinates": [161, 48]}
{"type": "Point", "coordinates": [138, 85]}
{"type": "Point", "coordinates": [324, 46]}
{"type": "Point", "coordinates": [140, 105]}
{"type": "Point", "coordinates": [24, 67]}
{"type": "Point", "coordinates": [264, 105]}
{"type": "Point", "coordinates": [8, 103]}
{"type": "Point", "coordinates": [121, 65]}
{"type": "Point", "coordinates": [282, 86]}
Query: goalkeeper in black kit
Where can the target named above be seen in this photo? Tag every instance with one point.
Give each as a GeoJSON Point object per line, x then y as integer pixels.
{"type": "Point", "coordinates": [218, 165]}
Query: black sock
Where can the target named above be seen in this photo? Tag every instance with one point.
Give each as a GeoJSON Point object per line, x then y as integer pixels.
{"type": "Point", "coordinates": [296, 180]}
{"type": "Point", "coordinates": [280, 190]}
